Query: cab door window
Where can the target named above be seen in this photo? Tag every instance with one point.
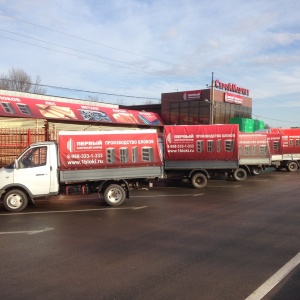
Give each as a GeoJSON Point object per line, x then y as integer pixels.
{"type": "Point", "coordinates": [34, 157]}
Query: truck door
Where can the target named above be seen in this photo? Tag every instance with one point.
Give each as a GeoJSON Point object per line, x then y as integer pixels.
{"type": "Point", "coordinates": [34, 170]}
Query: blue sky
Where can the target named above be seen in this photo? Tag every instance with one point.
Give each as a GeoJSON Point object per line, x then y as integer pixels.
{"type": "Point", "coordinates": [145, 48]}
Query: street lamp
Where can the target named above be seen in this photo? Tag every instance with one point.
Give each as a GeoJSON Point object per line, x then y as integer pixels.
{"type": "Point", "coordinates": [211, 101]}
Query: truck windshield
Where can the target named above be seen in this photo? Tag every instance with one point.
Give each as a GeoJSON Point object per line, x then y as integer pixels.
{"type": "Point", "coordinates": [34, 157]}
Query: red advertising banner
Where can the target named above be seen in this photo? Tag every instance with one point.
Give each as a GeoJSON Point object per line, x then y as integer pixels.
{"type": "Point", "coordinates": [253, 145]}
{"type": "Point", "coordinates": [14, 106]}
{"type": "Point", "coordinates": [289, 139]}
{"type": "Point", "coordinates": [203, 142]}
{"type": "Point", "coordinates": [192, 95]}
{"type": "Point", "coordinates": [108, 149]}
{"type": "Point", "coordinates": [235, 99]}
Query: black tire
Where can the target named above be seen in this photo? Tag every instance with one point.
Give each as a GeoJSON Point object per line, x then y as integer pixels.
{"type": "Point", "coordinates": [199, 181]}
{"type": "Point", "coordinates": [15, 200]}
{"type": "Point", "coordinates": [257, 170]}
{"type": "Point", "coordinates": [292, 166]}
{"type": "Point", "coordinates": [239, 174]}
{"type": "Point", "coordinates": [114, 195]}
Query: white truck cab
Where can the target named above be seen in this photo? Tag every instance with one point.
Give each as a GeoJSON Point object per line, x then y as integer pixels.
{"type": "Point", "coordinates": [33, 174]}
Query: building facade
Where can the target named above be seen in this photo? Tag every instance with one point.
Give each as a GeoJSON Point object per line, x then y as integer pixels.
{"type": "Point", "coordinates": [216, 105]}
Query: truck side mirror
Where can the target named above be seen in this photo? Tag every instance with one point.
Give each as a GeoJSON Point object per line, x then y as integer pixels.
{"type": "Point", "coordinates": [16, 164]}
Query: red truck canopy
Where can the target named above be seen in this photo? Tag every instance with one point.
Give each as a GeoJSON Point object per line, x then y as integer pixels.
{"type": "Point", "coordinates": [201, 142]}
{"type": "Point", "coordinates": [84, 150]}
{"type": "Point", "coordinates": [284, 140]}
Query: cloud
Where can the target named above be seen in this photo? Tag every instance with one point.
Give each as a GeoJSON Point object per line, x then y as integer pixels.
{"type": "Point", "coordinates": [145, 48]}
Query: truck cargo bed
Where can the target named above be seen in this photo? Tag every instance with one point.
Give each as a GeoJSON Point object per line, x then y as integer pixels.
{"type": "Point", "coordinates": [116, 173]}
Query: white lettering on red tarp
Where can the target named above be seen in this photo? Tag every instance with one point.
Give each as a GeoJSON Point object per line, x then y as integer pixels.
{"type": "Point", "coordinates": [183, 136]}
{"type": "Point", "coordinates": [89, 143]}
{"type": "Point", "coordinates": [6, 98]}
{"type": "Point", "coordinates": [90, 107]}
{"type": "Point", "coordinates": [120, 111]}
{"type": "Point", "coordinates": [231, 87]}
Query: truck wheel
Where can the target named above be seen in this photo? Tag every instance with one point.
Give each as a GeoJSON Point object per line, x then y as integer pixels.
{"type": "Point", "coordinates": [256, 170]}
{"type": "Point", "coordinates": [239, 174]}
{"type": "Point", "coordinates": [114, 195]}
{"type": "Point", "coordinates": [292, 166]}
{"type": "Point", "coordinates": [15, 200]}
{"type": "Point", "coordinates": [199, 181]}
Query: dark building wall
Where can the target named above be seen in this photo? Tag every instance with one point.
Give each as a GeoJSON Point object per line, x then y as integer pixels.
{"type": "Point", "coordinates": [194, 107]}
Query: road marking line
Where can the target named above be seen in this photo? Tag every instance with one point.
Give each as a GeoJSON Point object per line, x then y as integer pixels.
{"type": "Point", "coordinates": [259, 180]}
{"type": "Point", "coordinates": [27, 232]}
{"type": "Point", "coordinates": [75, 210]}
{"type": "Point", "coordinates": [275, 279]}
{"type": "Point", "coordinates": [223, 186]}
{"type": "Point", "coordinates": [180, 195]}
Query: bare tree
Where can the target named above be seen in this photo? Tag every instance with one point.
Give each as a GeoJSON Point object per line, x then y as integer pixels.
{"type": "Point", "coordinates": [18, 80]}
{"type": "Point", "coordinates": [267, 126]}
{"type": "Point", "coordinates": [95, 98]}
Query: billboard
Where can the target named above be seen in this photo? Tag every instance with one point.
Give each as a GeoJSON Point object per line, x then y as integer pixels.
{"type": "Point", "coordinates": [13, 106]}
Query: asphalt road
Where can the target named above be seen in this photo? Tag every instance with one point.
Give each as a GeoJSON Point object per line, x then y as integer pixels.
{"type": "Point", "coordinates": [221, 242]}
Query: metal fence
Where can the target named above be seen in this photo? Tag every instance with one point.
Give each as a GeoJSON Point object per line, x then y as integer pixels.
{"type": "Point", "coordinates": [14, 140]}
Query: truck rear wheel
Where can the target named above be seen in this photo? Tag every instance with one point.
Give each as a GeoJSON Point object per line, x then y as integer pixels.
{"type": "Point", "coordinates": [257, 170]}
{"type": "Point", "coordinates": [15, 200]}
{"type": "Point", "coordinates": [292, 166]}
{"type": "Point", "coordinates": [239, 174]}
{"type": "Point", "coordinates": [114, 195]}
{"type": "Point", "coordinates": [199, 181]}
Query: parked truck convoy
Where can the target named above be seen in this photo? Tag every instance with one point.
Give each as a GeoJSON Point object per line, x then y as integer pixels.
{"type": "Point", "coordinates": [112, 162]}
{"type": "Point", "coordinates": [284, 145]}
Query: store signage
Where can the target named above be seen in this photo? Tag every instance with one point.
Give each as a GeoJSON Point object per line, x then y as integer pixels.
{"type": "Point", "coordinates": [43, 109]}
{"type": "Point", "coordinates": [231, 87]}
{"type": "Point", "coordinates": [232, 98]}
{"type": "Point", "coordinates": [192, 95]}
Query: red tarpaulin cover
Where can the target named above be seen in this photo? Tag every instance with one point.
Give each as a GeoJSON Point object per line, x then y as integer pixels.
{"type": "Point", "coordinates": [108, 149]}
{"type": "Point", "coordinates": [201, 142]}
{"type": "Point", "coordinates": [289, 139]}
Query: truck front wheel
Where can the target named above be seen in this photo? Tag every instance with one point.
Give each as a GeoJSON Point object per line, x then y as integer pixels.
{"type": "Point", "coordinates": [114, 195]}
{"type": "Point", "coordinates": [15, 200]}
{"type": "Point", "coordinates": [239, 174]}
{"type": "Point", "coordinates": [199, 181]}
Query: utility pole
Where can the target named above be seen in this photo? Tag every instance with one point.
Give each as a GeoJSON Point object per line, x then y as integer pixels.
{"type": "Point", "coordinates": [212, 106]}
